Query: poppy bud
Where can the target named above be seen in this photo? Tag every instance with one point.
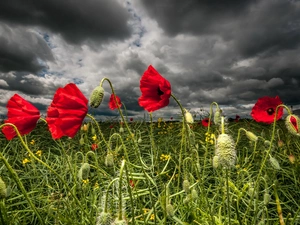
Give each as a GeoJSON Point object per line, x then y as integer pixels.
{"type": "Point", "coordinates": [215, 161]}
{"type": "Point", "coordinates": [104, 219]}
{"type": "Point", "coordinates": [188, 116]}
{"type": "Point", "coordinates": [170, 210]}
{"type": "Point", "coordinates": [119, 222]}
{"type": "Point", "coordinates": [217, 117]}
{"type": "Point", "coordinates": [3, 192]}
{"type": "Point", "coordinates": [187, 199]}
{"type": "Point", "coordinates": [109, 159]}
{"type": "Point", "coordinates": [274, 163]}
{"type": "Point", "coordinates": [267, 198]}
{"type": "Point", "coordinates": [84, 171]}
{"type": "Point", "coordinates": [292, 123]}
{"type": "Point", "coordinates": [186, 186]}
{"type": "Point", "coordinates": [292, 159]}
{"type": "Point", "coordinates": [251, 136]}
{"type": "Point", "coordinates": [194, 194]}
{"type": "Point", "coordinates": [225, 150]}
{"type": "Point", "coordinates": [121, 130]}
{"type": "Point", "coordinates": [96, 97]}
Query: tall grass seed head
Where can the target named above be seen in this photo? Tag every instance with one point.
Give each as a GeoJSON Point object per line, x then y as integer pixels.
{"type": "Point", "coordinates": [194, 194]}
{"type": "Point", "coordinates": [84, 171]}
{"type": "Point", "coordinates": [3, 192]}
{"type": "Point", "coordinates": [96, 97]}
{"type": "Point", "coordinates": [292, 123]}
{"type": "Point", "coordinates": [109, 159]}
{"type": "Point", "coordinates": [225, 150]}
{"type": "Point", "coordinates": [188, 116]}
{"type": "Point", "coordinates": [251, 136]}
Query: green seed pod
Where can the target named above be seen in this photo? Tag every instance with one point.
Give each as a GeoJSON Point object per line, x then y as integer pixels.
{"type": "Point", "coordinates": [251, 136]}
{"type": "Point", "coordinates": [292, 123]}
{"type": "Point", "coordinates": [3, 192]}
{"type": "Point", "coordinates": [109, 159]}
{"type": "Point", "coordinates": [81, 141]}
{"type": "Point", "coordinates": [170, 210]}
{"type": "Point", "coordinates": [84, 171]}
{"type": "Point", "coordinates": [186, 186]}
{"type": "Point", "coordinates": [274, 163]}
{"type": "Point", "coordinates": [96, 97]}
{"type": "Point", "coordinates": [225, 150]}
{"type": "Point", "coordinates": [104, 219]}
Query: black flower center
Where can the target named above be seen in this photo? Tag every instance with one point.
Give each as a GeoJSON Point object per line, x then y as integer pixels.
{"type": "Point", "coordinates": [159, 92]}
{"type": "Point", "coordinates": [270, 111]}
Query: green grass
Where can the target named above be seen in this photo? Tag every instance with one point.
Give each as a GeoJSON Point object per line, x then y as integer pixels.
{"type": "Point", "coordinates": [163, 174]}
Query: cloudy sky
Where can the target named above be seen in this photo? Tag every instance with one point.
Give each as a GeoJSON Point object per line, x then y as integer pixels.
{"type": "Point", "coordinates": [231, 52]}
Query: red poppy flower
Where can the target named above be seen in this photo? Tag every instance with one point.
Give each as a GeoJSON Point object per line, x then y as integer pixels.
{"type": "Point", "coordinates": [205, 122]}
{"type": "Point", "coordinates": [67, 111]}
{"type": "Point", "coordinates": [22, 114]}
{"type": "Point", "coordinates": [237, 118]}
{"type": "Point", "coordinates": [131, 119]}
{"type": "Point", "coordinates": [94, 146]}
{"type": "Point", "coordinates": [113, 104]}
{"type": "Point", "coordinates": [264, 109]}
{"type": "Point", "coordinates": [155, 89]}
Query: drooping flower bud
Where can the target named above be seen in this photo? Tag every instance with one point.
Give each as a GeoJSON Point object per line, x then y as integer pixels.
{"type": "Point", "coordinates": [188, 116]}
{"type": "Point", "coordinates": [109, 159]}
{"type": "Point", "coordinates": [292, 123]}
{"type": "Point", "coordinates": [217, 116]}
{"type": "Point", "coordinates": [84, 171]}
{"type": "Point", "coordinates": [292, 158]}
{"type": "Point", "coordinates": [225, 150]}
{"type": "Point", "coordinates": [274, 163]}
{"type": "Point", "coordinates": [186, 185]}
{"type": "Point", "coordinates": [170, 210]}
{"type": "Point", "coordinates": [251, 136]}
{"type": "Point", "coordinates": [96, 97]}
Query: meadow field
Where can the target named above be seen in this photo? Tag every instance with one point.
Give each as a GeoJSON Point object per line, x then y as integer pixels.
{"type": "Point", "coordinates": [159, 172]}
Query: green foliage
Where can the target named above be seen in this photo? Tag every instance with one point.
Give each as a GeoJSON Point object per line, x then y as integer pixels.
{"type": "Point", "coordinates": [161, 173]}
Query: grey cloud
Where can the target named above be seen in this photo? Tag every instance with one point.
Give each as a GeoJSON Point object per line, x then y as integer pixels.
{"type": "Point", "coordinates": [22, 50]}
{"type": "Point", "coordinates": [75, 20]}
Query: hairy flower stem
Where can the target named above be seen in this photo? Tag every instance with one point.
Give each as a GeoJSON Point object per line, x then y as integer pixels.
{"type": "Point", "coordinates": [183, 139]}
{"type": "Point", "coordinates": [279, 209]}
{"type": "Point", "coordinates": [135, 146]}
{"type": "Point", "coordinates": [154, 153]}
{"type": "Point", "coordinates": [20, 184]}
{"type": "Point", "coordinates": [120, 213]}
{"type": "Point", "coordinates": [264, 160]}
{"type": "Point", "coordinates": [228, 199]}
{"type": "Point", "coordinates": [47, 166]}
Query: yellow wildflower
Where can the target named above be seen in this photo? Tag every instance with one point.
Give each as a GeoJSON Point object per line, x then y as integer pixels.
{"type": "Point", "coordinates": [85, 181]}
{"type": "Point", "coordinates": [39, 153]}
{"type": "Point", "coordinates": [94, 137]}
{"type": "Point", "coordinates": [164, 157]}
{"type": "Point", "coordinates": [25, 161]}
{"type": "Point", "coordinates": [32, 142]}
{"type": "Point", "coordinates": [152, 217]}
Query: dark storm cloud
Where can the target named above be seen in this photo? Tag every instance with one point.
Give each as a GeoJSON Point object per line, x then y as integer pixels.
{"type": "Point", "coordinates": [267, 32]}
{"type": "Point", "coordinates": [22, 50]}
{"type": "Point", "coordinates": [75, 20]}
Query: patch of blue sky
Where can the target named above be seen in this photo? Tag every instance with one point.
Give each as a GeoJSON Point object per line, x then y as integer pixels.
{"type": "Point", "coordinates": [78, 80]}
{"type": "Point", "coordinates": [47, 38]}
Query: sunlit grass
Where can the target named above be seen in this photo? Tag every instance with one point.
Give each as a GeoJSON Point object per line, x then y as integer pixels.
{"type": "Point", "coordinates": [134, 178]}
